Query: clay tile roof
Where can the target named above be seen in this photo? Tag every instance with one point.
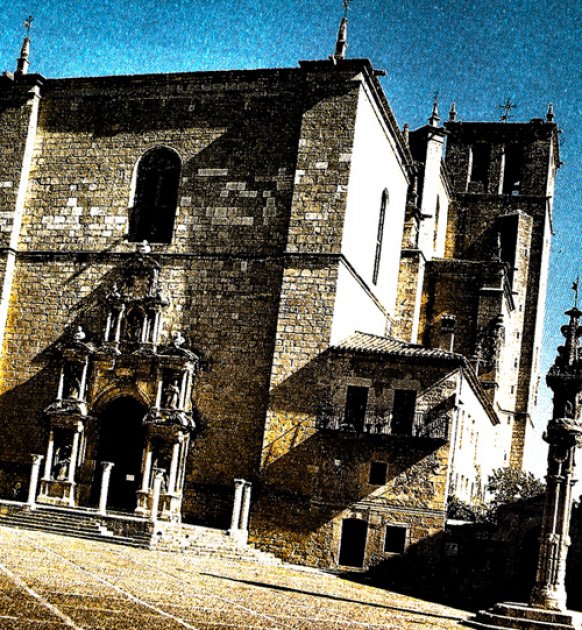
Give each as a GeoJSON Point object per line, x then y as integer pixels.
{"type": "Point", "coordinates": [374, 344]}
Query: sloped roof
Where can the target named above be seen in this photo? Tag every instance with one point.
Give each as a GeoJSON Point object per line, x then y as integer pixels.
{"type": "Point", "coordinates": [374, 344]}
{"type": "Point", "coordinates": [366, 343]}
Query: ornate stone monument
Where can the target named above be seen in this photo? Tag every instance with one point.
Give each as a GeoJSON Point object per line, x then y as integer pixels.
{"type": "Point", "coordinates": [547, 605]}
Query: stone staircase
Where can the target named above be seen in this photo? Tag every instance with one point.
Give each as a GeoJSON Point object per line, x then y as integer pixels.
{"type": "Point", "coordinates": [122, 529]}
{"type": "Point", "coordinates": [78, 524]}
{"type": "Point", "coordinates": [205, 541]}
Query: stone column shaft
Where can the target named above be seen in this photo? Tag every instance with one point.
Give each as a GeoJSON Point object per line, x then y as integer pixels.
{"type": "Point", "coordinates": [174, 468]}
{"type": "Point", "coordinates": [246, 506]}
{"type": "Point", "coordinates": [74, 456]}
{"type": "Point", "coordinates": [158, 480]}
{"type": "Point", "coordinates": [105, 478]}
{"type": "Point", "coordinates": [147, 468]}
{"type": "Point", "coordinates": [36, 461]}
{"type": "Point", "coordinates": [49, 456]}
{"type": "Point", "coordinates": [237, 505]}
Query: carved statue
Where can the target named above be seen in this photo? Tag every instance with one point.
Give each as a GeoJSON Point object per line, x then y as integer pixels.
{"type": "Point", "coordinates": [79, 334]}
{"type": "Point", "coordinates": [62, 463]}
{"type": "Point", "coordinates": [114, 293]}
{"type": "Point", "coordinates": [172, 394]}
{"type": "Point", "coordinates": [75, 388]}
{"type": "Point", "coordinates": [134, 327]}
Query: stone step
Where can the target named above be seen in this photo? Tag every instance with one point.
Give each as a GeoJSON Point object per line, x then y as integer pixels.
{"type": "Point", "coordinates": [96, 536]}
{"type": "Point", "coordinates": [194, 540]}
{"type": "Point", "coordinates": [489, 619]}
{"type": "Point", "coordinates": [46, 520]}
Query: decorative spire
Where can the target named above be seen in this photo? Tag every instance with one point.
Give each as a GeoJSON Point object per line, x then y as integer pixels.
{"type": "Point", "coordinates": [22, 62]}
{"type": "Point", "coordinates": [550, 114]}
{"type": "Point", "coordinates": [341, 43]}
{"type": "Point", "coordinates": [453, 112]}
{"type": "Point", "coordinates": [434, 119]}
{"type": "Point", "coordinates": [568, 354]}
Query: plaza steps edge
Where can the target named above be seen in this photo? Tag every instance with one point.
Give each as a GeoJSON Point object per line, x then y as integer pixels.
{"type": "Point", "coordinates": [193, 540]}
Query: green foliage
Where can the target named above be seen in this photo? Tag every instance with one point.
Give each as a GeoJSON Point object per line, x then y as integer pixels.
{"type": "Point", "coordinates": [513, 484]}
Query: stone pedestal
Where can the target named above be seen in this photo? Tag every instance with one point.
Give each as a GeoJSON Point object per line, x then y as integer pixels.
{"type": "Point", "coordinates": [522, 616]}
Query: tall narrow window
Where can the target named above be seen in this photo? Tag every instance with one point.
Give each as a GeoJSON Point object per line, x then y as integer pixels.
{"type": "Point", "coordinates": [480, 165]}
{"type": "Point", "coordinates": [512, 170]}
{"type": "Point", "coordinates": [379, 235]}
{"type": "Point", "coordinates": [403, 410]}
{"type": "Point", "coordinates": [156, 195]}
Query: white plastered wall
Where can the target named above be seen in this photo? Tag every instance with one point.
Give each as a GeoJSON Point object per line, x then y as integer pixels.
{"type": "Point", "coordinates": [375, 166]}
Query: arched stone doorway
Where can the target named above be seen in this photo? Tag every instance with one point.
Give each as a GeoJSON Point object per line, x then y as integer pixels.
{"type": "Point", "coordinates": [121, 442]}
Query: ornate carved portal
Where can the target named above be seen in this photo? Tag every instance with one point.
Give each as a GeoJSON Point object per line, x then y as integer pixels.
{"type": "Point", "coordinates": [130, 363]}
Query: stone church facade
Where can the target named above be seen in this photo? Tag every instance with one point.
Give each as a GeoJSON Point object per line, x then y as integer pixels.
{"type": "Point", "coordinates": [257, 275]}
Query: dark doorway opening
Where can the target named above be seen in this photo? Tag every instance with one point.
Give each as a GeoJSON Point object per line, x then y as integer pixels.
{"type": "Point", "coordinates": [353, 542]}
{"type": "Point", "coordinates": [120, 442]}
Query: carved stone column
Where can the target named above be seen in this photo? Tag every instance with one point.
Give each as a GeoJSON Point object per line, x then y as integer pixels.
{"type": "Point", "coordinates": [547, 604]}
{"type": "Point", "coordinates": [105, 478]}
{"type": "Point", "coordinates": [36, 461]}
{"type": "Point", "coordinates": [239, 485]}
{"type": "Point", "coordinates": [549, 591]}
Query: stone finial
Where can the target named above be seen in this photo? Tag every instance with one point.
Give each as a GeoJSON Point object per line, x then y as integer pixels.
{"type": "Point", "coordinates": [79, 334]}
{"type": "Point", "coordinates": [453, 112]}
{"type": "Point", "coordinates": [550, 114]}
{"type": "Point", "coordinates": [22, 62]}
{"type": "Point", "coordinates": [434, 119]}
{"type": "Point", "coordinates": [144, 247]}
{"type": "Point", "coordinates": [178, 340]}
{"type": "Point", "coordinates": [341, 43]}
{"type": "Point", "coordinates": [406, 134]}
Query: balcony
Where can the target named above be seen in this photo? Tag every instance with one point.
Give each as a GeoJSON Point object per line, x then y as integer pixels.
{"type": "Point", "coordinates": [383, 422]}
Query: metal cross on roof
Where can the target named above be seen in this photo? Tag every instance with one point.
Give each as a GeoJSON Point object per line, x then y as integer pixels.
{"type": "Point", "coordinates": [28, 24]}
{"type": "Point", "coordinates": [576, 289]}
{"type": "Point", "coordinates": [346, 4]}
{"type": "Point", "coordinates": [507, 107]}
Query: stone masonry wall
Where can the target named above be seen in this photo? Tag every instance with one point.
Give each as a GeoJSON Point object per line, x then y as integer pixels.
{"type": "Point", "coordinates": [236, 134]}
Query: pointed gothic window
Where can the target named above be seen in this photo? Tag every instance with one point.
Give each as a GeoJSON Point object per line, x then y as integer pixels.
{"type": "Point", "coordinates": [379, 235]}
{"type": "Point", "coordinates": [156, 196]}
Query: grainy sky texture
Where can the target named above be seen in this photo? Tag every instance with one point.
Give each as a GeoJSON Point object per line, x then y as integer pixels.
{"type": "Point", "coordinates": [474, 52]}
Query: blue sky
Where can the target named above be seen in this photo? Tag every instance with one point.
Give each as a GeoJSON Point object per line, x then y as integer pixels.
{"type": "Point", "coordinates": [474, 52]}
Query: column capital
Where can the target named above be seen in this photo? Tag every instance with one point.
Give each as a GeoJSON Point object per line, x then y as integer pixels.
{"type": "Point", "coordinates": [107, 465]}
{"type": "Point", "coordinates": [36, 458]}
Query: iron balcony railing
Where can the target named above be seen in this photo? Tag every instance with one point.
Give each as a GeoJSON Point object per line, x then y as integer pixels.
{"type": "Point", "coordinates": [383, 422]}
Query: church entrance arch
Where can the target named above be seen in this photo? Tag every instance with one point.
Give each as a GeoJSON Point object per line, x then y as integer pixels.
{"type": "Point", "coordinates": [121, 439]}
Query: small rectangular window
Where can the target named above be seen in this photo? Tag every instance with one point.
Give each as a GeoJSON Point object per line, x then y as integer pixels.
{"type": "Point", "coordinates": [395, 539]}
{"type": "Point", "coordinates": [480, 165]}
{"type": "Point", "coordinates": [378, 473]}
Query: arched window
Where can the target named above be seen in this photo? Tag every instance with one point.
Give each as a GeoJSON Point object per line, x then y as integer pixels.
{"type": "Point", "coordinates": [156, 195]}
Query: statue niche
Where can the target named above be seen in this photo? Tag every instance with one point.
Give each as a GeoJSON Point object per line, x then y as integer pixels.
{"type": "Point", "coordinates": [135, 302]}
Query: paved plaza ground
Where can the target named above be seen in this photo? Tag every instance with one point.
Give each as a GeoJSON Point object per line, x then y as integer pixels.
{"type": "Point", "coordinates": [49, 581]}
